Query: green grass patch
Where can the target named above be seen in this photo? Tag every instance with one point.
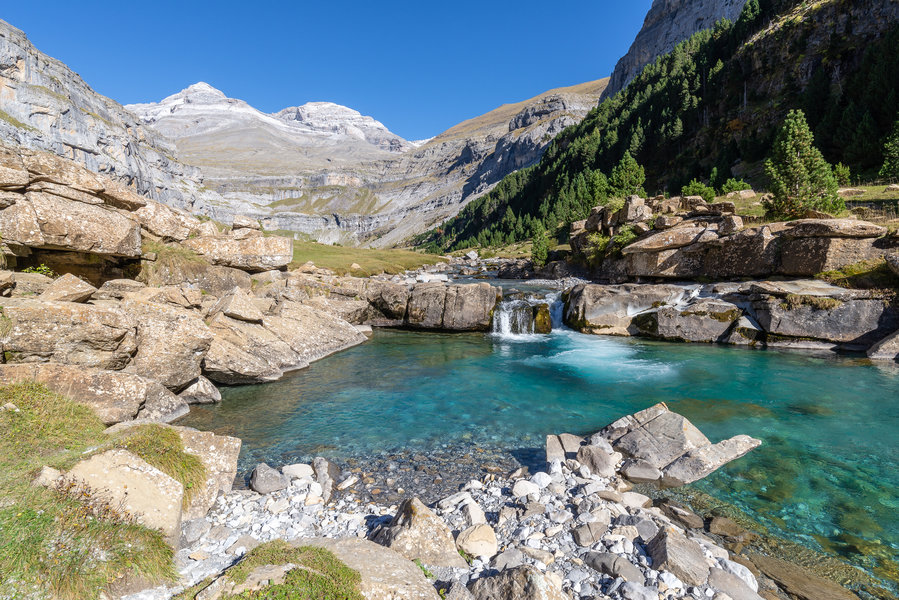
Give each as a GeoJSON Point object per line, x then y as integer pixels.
{"type": "Point", "coordinates": [794, 301]}
{"type": "Point", "coordinates": [320, 576]}
{"type": "Point", "coordinates": [5, 116]}
{"type": "Point", "coordinates": [371, 262]}
{"type": "Point", "coordinates": [162, 447]}
{"type": "Point", "coordinates": [866, 275]}
{"type": "Point", "coordinates": [50, 543]}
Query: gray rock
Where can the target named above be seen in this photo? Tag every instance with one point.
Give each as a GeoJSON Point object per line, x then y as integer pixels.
{"type": "Point", "coordinates": [457, 591]}
{"type": "Point", "coordinates": [68, 288]}
{"type": "Point", "coordinates": [298, 471]}
{"type": "Point", "coordinates": [612, 310]}
{"type": "Point", "coordinates": [635, 591]}
{"type": "Point", "coordinates": [892, 259]}
{"type": "Point", "coordinates": [646, 528]}
{"type": "Point", "coordinates": [193, 530]}
{"type": "Point", "coordinates": [615, 566]}
{"type": "Point", "coordinates": [508, 560]}
{"type": "Point", "coordinates": [640, 471]}
{"type": "Point", "coordinates": [705, 320]}
{"type": "Point", "coordinates": [266, 480]}
{"type": "Point", "coordinates": [731, 585]}
{"type": "Point", "coordinates": [327, 474]}
{"type": "Point", "coordinates": [886, 349]}
{"type": "Point", "coordinates": [554, 450]}
{"type": "Point", "coordinates": [598, 460]}
{"type": "Point", "coordinates": [682, 515]}
{"type": "Point", "coordinates": [201, 391]}
{"type": "Point", "coordinates": [660, 440]}
{"type": "Point", "coordinates": [671, 551]}
{"type": "Point", "coordinates": [700, 462]}
{"type": "Point", "coordinates": [417, 533]}
{"type": "Point", "coordinates": [589, 533]}
{"type": "Point", "coordinates": [521, 583]}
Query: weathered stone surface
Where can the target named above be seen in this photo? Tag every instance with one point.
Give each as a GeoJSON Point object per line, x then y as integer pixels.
{"type": "Point", "coordinates": [892, 259]}
{"type": "Point", "coordinates": [311, 333]}
{"type": "Point", "coordinates": [598, 460]}
{"type": "Point", "coordinates": [731, 585]}
{"type": "Point", "coordinates": [13, 174]}
{"type": "Point", "coordinates": [706, 320]}
{"type": "Point", "coordinates": [670, 239]}
{"type": "Point", "coordinates": [171, 343]}
{"type": "Point", "coordinates": [201, 391]}
{"type": "Point", "coordinates": [141, 489]}
{"type": "Point", "coordinates": [326, 474]}
{"type": "Point", "coordinates": [614, 565]}
{"type": "Point", "coordinates": [114, 396]}
{"type": "Point", "coordinates": [238, 305]}
{"type": "Point", "coordinates": [808, 256]}
{"type": "Point", "coordinates": [165, 222]}
{"type": "Point", "coordinates": [611, 310]}
{"type": "Point", "coordinates": [68, 288]}
{"type": "Point", "coordinates": [385, 574]}
{"type": "Point", "coordinates": [243, 222]}
{"type": "Point", "coordinates": [299, 471]}
{"type": "Point", "coordinates": [799, 582]}
{"type": "Point", "coordinates": [730, 224]}
{"type": "Point", "coordinates": [68, 225]}
{"type": "Point", "coordinates": [116, 289]}
{"type": "Point", "coordinates": [197, 274]}
{"type": "Point", "coordinates": [752, 252]}
{"type": "Point", "coordinates": [266, 480]}
{"type": "Point", "coordinates": [452, 307]}
{"type": "Point", "coordinates": [589, 533]}
{"type": "Point", "coordinates": [640, 471]}
{"type": "Point", "coordinates": [886, 349]}
{"type": "Point", "coordinates": [859, 321]}
{"type": "Point", "coordinates": [682, 515]}
{"type": "Point", "coordinates": [672, 551]}
{"type": "Point", "coordinates": [219, 455]}
{"type": "Point", "coordinates": [251, 254]}
{"type": "Point", "coordinates": [244, 352]}
{"type": "Point", "coordinates": [65, 332]}
{"type": "Point", "coordinates": [554, 450]}
{"type": "Point", "coordinates": [833, 228]}
{"type": "Point", "coordinates": [478, 540]}
{"type": "Point", "coordinates": [389, 299]}
{"type": "Point", "coordinates": [522, 583]}
{"type": "Point", "coordinates": [29, 284]}
{"type": "Point", "coordinates": [416, 532]}
{"type": "Point", "coordinates": [699, 462]}
{"type": "Point", "coordinates": [661, 440]}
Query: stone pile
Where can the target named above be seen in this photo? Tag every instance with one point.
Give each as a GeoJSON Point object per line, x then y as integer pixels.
{"type": "Point", "coordinates": [575, 531]}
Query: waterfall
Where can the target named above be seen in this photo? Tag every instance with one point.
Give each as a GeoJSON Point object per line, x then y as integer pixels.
{"type": "Point", "coordinates": [515, 316]}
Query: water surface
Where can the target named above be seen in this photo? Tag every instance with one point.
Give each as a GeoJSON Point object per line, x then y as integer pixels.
{"type": "Point", "coordinates": [826, 475]}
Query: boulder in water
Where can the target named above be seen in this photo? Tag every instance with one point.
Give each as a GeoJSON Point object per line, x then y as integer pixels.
{"type": "Point", "coordinates": [542, 319]}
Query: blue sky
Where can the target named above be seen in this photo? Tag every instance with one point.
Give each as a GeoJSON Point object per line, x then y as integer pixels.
{"type": "Point", "coordinates": [419, 67]}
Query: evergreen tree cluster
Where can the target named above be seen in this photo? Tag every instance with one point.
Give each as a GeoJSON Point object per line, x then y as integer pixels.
{"type": "Point", "coordinates": [688, 117]}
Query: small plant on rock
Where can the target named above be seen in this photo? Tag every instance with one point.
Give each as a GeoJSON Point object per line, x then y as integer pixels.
{"type": "Point", "coordinates": [41, 269]}
{"type": "Point", "coordinates": [697, 188]}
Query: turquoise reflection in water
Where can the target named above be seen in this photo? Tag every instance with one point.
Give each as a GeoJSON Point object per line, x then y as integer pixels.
{"type": "Point", "coordinates": [828, 470]}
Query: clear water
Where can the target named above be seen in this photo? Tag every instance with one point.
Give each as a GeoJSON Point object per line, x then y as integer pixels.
{"type": "Point", "coordinates": [827, 474]}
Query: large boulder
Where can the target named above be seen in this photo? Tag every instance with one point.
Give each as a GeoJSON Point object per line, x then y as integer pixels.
{"type": "Point", "coordinates": [122, 479]}
{"type": "Point", "coordinates": [385, 574]}
{"type": "Point", "coordinates": [657, 438]}
{"type": "Point", "coordinates": [753, 252]}
{"type": "Point", "coordinates": [201, 391]}
{"type": "Point", "coordinates": [243, 352]}
{"type": "Point", "coordinates": [238, 305]}
{"type": "Point", "coordinates": [68, 288]}
{"type": "Point", "coordinates": [417, 533]}
{"type": "Point", "coordinates": [833, 228]}
{"type": "Point", "coordinates": [671, 239]}
{"type": "Point", "coordinates": [706, 320]}
{"type": "Point", "coordinates": [452, 307]}
{"type": "Point", "coordinates": [250, 254]}
{"type": "Point", "coordinates": [390, 300]}
{"type": "Point", "coordinates": [808, 256]}
{"type": "Point", "coordinates": [13, 174]}
{"type": "Point", "coordinates": [611, 309]}
{"type": "Point", "coordinates": [521, 583]}
{"type": "Point", "coordinates": [42, 220]}
{"type": "Point", "coordinates": [848, 319]}
{"type": "Point", "coordinates": [892, 259]}
{"type": "Point", "coordinates": [165, 222]}
{"type": "Point", "coordinates": [65, 332]}
{"type": "Point", "coordinates": [312, 334]}
{"type": "Point", "coordinates": [886, 349]}
{"type": "Point", "coordinates": [219, 454]}
{"type": "Point", "coordinates": [114, 396]}
{"type": "Point", "coordinates": [171, 343]}
{"type": "Point", "coordinates": [198, 274]}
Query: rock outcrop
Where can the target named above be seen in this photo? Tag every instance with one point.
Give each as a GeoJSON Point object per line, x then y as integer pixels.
{"type": "Point", "coordinates": [668, 23]}
{"type": "Point", "coordinates": [417, 533]}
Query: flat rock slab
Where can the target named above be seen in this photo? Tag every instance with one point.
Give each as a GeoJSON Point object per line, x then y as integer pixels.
{"type": "Point", "coordinates": [672, 551]}
{"type": "Point", "coordinates": [799, 582]}
{"type": "Point", "coordinates": [68, 288]}
{"type": "Point", "coordinates": [249, 254]}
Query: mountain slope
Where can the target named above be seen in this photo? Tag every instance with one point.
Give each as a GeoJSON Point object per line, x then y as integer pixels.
{"type": "Point", "coordinates": [47, 106]}
{"type": "Point", "coordinates": [329, 172]}
{"type": "Point", "coordinates": [712, 103]}
{"type": "Point", "coordinates": [668, 23]}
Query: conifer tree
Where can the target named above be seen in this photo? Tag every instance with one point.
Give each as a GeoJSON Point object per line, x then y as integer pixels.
{"type": "Point", "coordinates": [627, 177]}
{"type": "Point", "coordinates": [540, 248]}
{"type": "Point", "coordinates": [801, 179]}
{"type": "Point", "coordinates": [890, 168]}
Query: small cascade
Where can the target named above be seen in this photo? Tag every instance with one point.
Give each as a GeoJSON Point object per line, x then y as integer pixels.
{"type": "Point", "coordinates": [513, 317]}
{"type": "Point", "coordinates": [526, 314]}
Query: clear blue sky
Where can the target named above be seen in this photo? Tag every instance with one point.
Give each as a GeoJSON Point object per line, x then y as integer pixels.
{"type": "Point", "coordinates": [419, 67]}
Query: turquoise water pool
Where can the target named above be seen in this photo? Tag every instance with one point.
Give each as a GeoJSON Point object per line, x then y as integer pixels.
{"type": "Point", "coordinates": [827, 474]}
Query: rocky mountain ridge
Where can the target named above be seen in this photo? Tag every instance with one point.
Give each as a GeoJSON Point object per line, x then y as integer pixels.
{"type": "Point", "coordinates": [668, 23]}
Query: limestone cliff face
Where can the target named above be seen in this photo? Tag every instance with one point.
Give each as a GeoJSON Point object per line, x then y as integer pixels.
{"type": "Point", "coordinates": [668, 23]}
{"type": "Point", "coordinates": [45, 105]}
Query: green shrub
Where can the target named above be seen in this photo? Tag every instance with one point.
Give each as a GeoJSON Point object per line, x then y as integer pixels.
{"type": "Point", "coordinates": [734, 185]}
{"type": "Point", "coordinates": [41, 269]}
{"type": "Point", "coordinates": [697, 188]}
{"type": "Point", "coordinates": [842, 173]}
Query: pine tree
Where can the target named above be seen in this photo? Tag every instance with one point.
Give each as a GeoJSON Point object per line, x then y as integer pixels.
{"type": "Point", "coordinates": [540, 249]}
{"type": "Point", "coordinates": [890, 168]}
{"type": "Point", "coordinates": [627, 177]}
{"type": "Point", "coordinates": [801, 179]}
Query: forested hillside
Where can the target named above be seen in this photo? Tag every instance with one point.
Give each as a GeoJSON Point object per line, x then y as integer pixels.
{"type": "Point", "coordinates": [709, 110]}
